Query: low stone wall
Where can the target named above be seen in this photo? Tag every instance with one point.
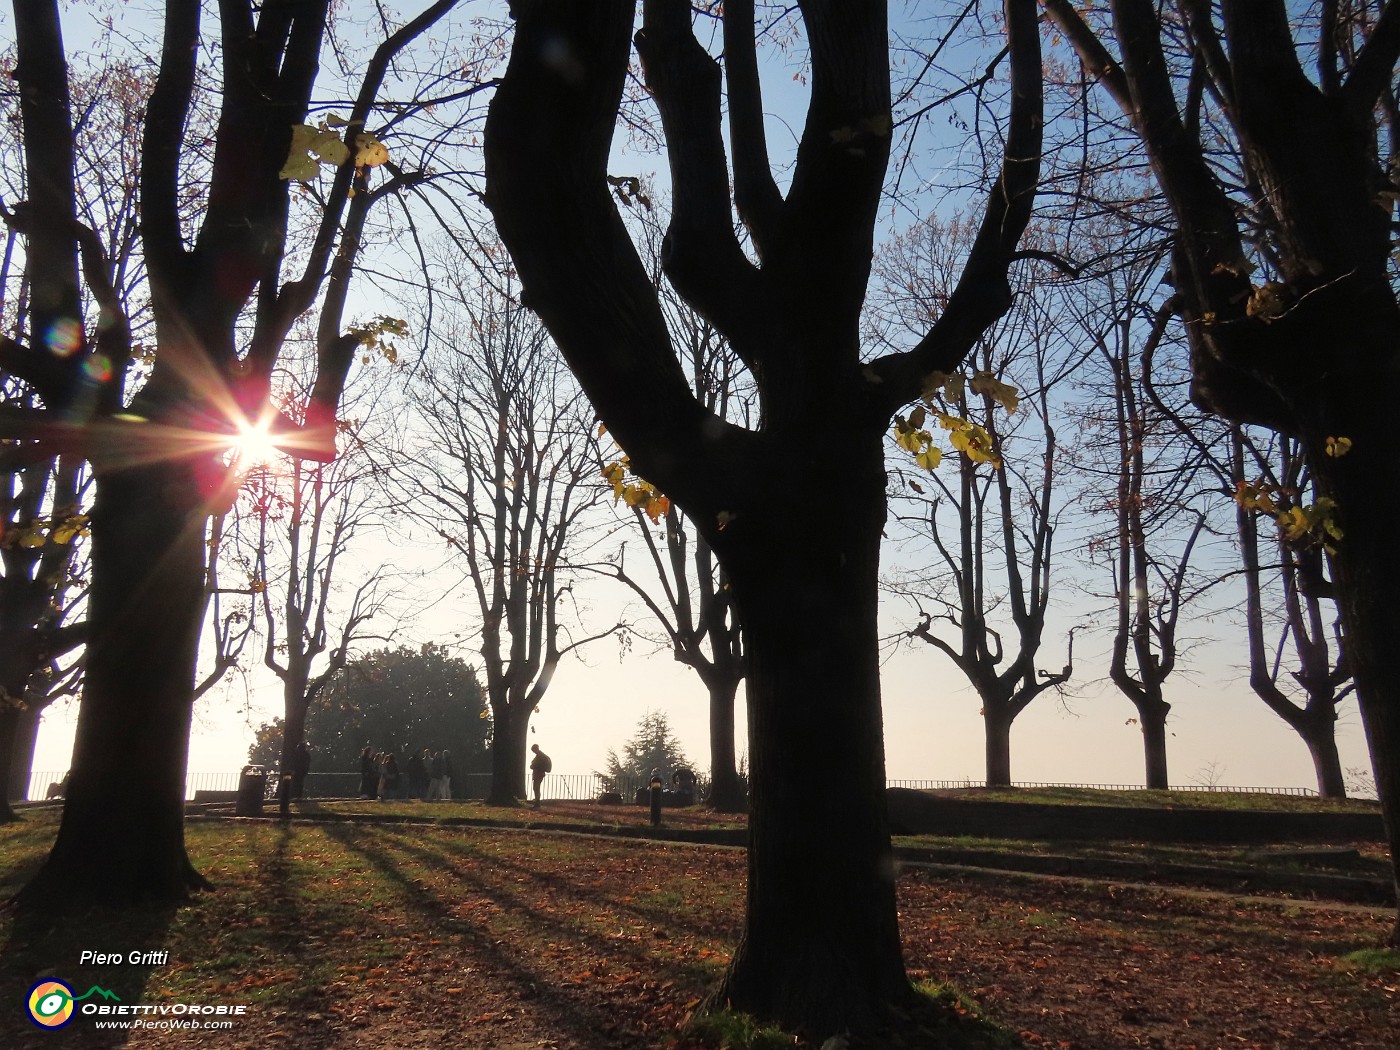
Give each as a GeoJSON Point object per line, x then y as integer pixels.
{"type": "Point", "coordinates": [919, 813]}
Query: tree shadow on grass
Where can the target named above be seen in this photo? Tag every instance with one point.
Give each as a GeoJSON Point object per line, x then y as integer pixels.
{"type": "Point", "coordinates": [533, 984]}
{"type": "Point", "coordinates": [50, 946]}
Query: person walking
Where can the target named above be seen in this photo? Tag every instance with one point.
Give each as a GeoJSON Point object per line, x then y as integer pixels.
{"type": "Point", "coordinates": [539, 766]}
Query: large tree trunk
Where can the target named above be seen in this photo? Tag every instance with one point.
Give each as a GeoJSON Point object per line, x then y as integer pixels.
{"type": "Point", "coordinates": [727, 794]}
{"type": "Point", "coordinates": [508, 731]}
{"type": "Point", "coordinates": [820, 950]}
{"type": "Point", "coordinates": [1153, 720]}
{"type": "Point", "coordinates": [1367, 564]}
{"type": "Point", "coordinates": [1322, 746]}
{"type": "Point", "coordinates": [21, 755]}
{"type": "Point", "coordinates": [121, 840]}
{"type": "Point", "coordinates": [996, 717]}
{"type": "Point", "coordinates": [293, 734]}
{"type": "Point", "coordinates": [9, 736]}
{"type": "Point", "coordinates": [17, 662]}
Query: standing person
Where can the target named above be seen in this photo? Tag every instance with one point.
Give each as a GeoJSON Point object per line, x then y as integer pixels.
{"type": "Point", "coordinates": [418, 774]}
{"type": "Point", "coordinates": [435, 776]}
{"type": "Point", "coordinates": [388, 777]}
{"type": "Point", "coordinates": [369, 773]}
{"type": "Point", "coordinates": [539, 766]}
{"type": "Point", "coordinates": [301, 765]}
{"type": "Point", "coordinates": [445, 789]}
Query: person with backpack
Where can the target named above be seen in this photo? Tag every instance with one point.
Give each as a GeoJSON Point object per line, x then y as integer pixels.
{"type": "Point", "coordinates": [539, 766]}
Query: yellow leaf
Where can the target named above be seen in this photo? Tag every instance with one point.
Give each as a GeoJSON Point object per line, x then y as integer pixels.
{"type": "Point", "coordinates": [369, 151]}
{"type": "Point", "coordinates": [1338, 446]}
{"type": "Point", "coordinates": [300, 168]}
{"type": "Point", "coordinates": [910, 440]}
{"type": "Point", "coordinates": [330, 149]}
{"type": "Point", "coordinates": [929, 458]}
{"type": "Point", "coordinates": [1294, 523]}
{"type": "Point", "coordinates": [1003, 394]}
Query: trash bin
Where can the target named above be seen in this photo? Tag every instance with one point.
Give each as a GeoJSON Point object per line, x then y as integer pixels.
{"type": "Point", "coordinates": [252, 788]}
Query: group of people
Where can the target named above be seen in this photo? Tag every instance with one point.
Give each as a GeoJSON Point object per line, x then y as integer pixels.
{"type": "Point", "coordinates": [428, 777]}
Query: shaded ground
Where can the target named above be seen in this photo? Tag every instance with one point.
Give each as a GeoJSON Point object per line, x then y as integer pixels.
{"type": "Point", "coordinates": [415, 936]}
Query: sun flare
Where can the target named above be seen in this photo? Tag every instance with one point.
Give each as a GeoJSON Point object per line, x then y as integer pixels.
{"type": "Point", "coordinates": [253, 444]}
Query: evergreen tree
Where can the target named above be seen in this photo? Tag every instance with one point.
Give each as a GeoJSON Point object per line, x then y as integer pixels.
{"type": "Point", "coordinates": [393, 699]}
{"type": "Point", "coordinates": [653, 746]}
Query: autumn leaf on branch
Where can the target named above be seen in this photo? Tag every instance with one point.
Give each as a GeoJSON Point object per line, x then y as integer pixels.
{"type": "Point", "coordinates": [966, 437]}
{"type": "Point", "coordinates": [634, 491]}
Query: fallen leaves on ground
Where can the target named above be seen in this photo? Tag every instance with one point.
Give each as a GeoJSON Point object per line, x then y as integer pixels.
{"type": "Point", "coordinates": [416, 937]}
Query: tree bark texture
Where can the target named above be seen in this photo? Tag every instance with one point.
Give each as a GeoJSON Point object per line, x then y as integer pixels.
{"type": "Point", "coordinates": [1153, 722]}
{"type": "Point", "coordinates": [820, 949]}
{"type": "Point", "coordinates": [121, 839]}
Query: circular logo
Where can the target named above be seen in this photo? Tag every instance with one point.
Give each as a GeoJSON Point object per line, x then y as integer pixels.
{"type": "Point", "coordinates": [51, 1004]}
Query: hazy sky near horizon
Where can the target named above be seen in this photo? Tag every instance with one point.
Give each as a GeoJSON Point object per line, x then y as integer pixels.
{"type": "Point", "coordinates": [1218, 728]}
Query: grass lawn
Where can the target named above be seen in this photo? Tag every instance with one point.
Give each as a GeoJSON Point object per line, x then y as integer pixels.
{"type": "Point", "coordinates": [409, 936]}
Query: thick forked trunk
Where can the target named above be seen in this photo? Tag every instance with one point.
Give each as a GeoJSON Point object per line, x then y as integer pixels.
{"type": "Point", "coordinates": [508, 753]}
{"type": "Point", "coordinates": [1367, 564]}
{"type": "Point", "coordinates": [727, 794]}
{"type": "Point", "coordinates": [820, 951]}
{"type": "Point", "coordinates": [121, 840]}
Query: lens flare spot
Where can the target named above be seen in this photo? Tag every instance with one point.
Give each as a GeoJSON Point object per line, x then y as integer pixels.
{"type": "Point", "coordinates": [64, 337]}
{"type": "Point", "coordinates": [98, 368]}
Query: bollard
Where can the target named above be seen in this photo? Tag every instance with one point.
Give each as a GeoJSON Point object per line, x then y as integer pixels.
{"type": "Point", "coordinates": [655, 798]}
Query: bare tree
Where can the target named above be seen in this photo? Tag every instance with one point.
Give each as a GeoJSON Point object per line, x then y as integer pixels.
{"type": "Point", "coordinates": [159, 458]}
{"type": "Point", "coordinates": [821, 948]}
{"type": "Point", "coordinates": [1301, 603]}
{"type": "Point", "coordinates": [1304, 206]}
{"type": "Point", "coordinates": [991, 581]}
{"type": "Point", "coordinates": [508, 472]}
{"type": "Point", "coordinates": [47, 498]}
{"type": "Point", "coordinates": [1151, 487]}
{"type": "Point", "coordinates": [307, 518]}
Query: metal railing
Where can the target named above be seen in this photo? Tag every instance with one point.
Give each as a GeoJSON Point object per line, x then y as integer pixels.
{"type": "Point", "coordinates": [588, 786]}
{"type": "Point", "coordinates": [943, 785]}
